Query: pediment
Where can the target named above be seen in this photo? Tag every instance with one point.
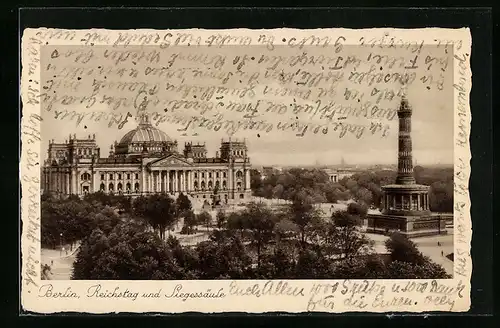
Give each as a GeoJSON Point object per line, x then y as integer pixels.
{"type": "Point", "coordinates": [170, 161]}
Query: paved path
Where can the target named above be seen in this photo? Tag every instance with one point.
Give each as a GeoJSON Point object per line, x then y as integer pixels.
{"type": "Point", "coordinates": [427, 245]}
{"type": "Point", "coordinates": [61, 266]}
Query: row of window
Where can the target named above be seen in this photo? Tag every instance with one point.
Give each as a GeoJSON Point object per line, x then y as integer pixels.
{"type": "Point", "coordinates": [203, 187]}
{"type": "Point", "coordinates": [85, 151]}
{"type": "Point", "coordinates": [239, 174]}
{"type": "Point", "coordinates": [224, 175]}
{"type": "Point", "coordinates": [119, 187]}
{"type": "Point", "coordinates": [238, 152]}
{"type": "Point", "coordinates": [155, 148]}
{"type": "Point", "coordinates": [225, 196]}
{"type": "Point", "coordinates": [199, 155]}
{"type": "Point", "coordinates": [111, 176]}
{"type": "Point", "coordinates": [85, 177]}
{"type": "Point", "coordinates": [128, 186]}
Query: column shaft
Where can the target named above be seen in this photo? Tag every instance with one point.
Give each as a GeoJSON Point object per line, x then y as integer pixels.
{"type": "Point", "coordinates": [183, 182]}
{"type": "Point", "coordinates": [247, 179]}
{"type": "Point", "coordinates": [168, 181]}
{"type": "Point", "coordinates": [143, 179]}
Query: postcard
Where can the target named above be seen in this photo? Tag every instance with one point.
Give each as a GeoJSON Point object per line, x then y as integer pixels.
{"type": "Point", "coordinates": [289, 170]}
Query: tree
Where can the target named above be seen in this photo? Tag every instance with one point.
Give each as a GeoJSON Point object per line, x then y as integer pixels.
{"type": "Point", "coordinates": [189, 222]}
{"type": "Point", "coordinates": [352, 185]}
{"type": "Point", "coordinates": [122, 202]}
{"type": "Point", "coordinates": [158, 210]}
{"type": "Point", "coordinates": [236, 222]}
{"type": "Point", "coordinates": [128, 252]}
{"type": "Point", "coordinates": [183, 204]}
{"type": "Point", "coordinates": [346, 237]}
{"type": "Point", "coordinates": [185, 257]}
{"type": "Point", "coordinates": [64, 221]}
{"type": "Point", "coordinates": [287, 184]}
{"type": "Point", "coordinates": [46, 196]}
{"type": "Point", "coordinates": [255, 180]}
{"type": "Point", "coordinates": [304, 215]}
{"type": "Point", "coordinates": [98, 197]}
{"type": "Point", "coordinates": [376, 192]}
{"type": "Point", "coordinates": [277, 265]}
{"type": "Point", "coordinates": [221, 219]}
{"type": "Point", "coordinates": [278, 191]}
{"type": "Point", "coordinates": [223, 258]}
{"type": "Point", "coordinates": [360, 268]}
{"type": "Point", "coordinates": [402, 249]}
{"type": "Point", "coordinates": [357, 209]}
{"type": "Point", "coordinates": [441, 196]}
{"type": "Point", "coordinates": [46, 272]}
{"type": "Point", "coordinates": [90, 250]}
{"type": "Point", "coordinates": [105, 219]}
{"type": "Point", "coordinates": [407, 270]}
{"type": "Point", "coordinates": [284, 229]}
{"type": "Point", "coordinates": [364, 195]}
{"type": "Point", "coordinates": [312, 265]}
{"type": "Point", "coordinates": [331, 192]}
{"type": "Point", "coordinates": [260, 221]}
{"type": "Point", "coordinates": [205, 218]}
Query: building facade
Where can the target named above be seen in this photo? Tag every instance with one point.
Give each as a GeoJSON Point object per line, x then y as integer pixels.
{"type": "Point", "coordinates": [335, 175]}
{"type": "Point", "coordinates": [146, 161]}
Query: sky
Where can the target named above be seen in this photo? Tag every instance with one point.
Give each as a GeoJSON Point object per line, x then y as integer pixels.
{"type": "Point", "coordinates": [432, 120]}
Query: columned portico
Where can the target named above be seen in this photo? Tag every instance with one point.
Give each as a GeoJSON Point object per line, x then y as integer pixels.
{"type": "Point", "coordinates": [409, 200]}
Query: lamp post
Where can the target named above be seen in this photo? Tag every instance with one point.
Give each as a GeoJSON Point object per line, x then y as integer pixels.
{"type": "Point", "coordinates": [60, 244]}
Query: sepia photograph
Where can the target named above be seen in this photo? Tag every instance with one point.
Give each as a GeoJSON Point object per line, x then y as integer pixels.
{"type": "Point", "coordinates": [288, 170]}
{"type": "Point", "coordinates": [155, 199]}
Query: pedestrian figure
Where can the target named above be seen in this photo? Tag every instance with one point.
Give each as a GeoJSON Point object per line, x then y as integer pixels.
{"type": "Point", "coordinates": [442, 253]}
{"type": "Point", "coordinates": [439, 244]}
{"type": "Point", "coordinates": [52, 263]}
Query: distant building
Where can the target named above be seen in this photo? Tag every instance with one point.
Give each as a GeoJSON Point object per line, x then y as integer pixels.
{"type": "Point", "coordinates": [146, 161]}
{"type": "Point", "coordinates": [335, 175]}
{"type": "Point", "coordinates": [269, 170]}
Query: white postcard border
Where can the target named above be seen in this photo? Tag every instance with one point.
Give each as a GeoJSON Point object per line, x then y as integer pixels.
{"type": "Point", "coordinates": [33, 39]}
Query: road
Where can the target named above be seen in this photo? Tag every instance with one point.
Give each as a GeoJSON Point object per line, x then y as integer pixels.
{"type": "Point", "coordinates": [427, 245]}
{"type": "Point", "coordinates": [61, 266]}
